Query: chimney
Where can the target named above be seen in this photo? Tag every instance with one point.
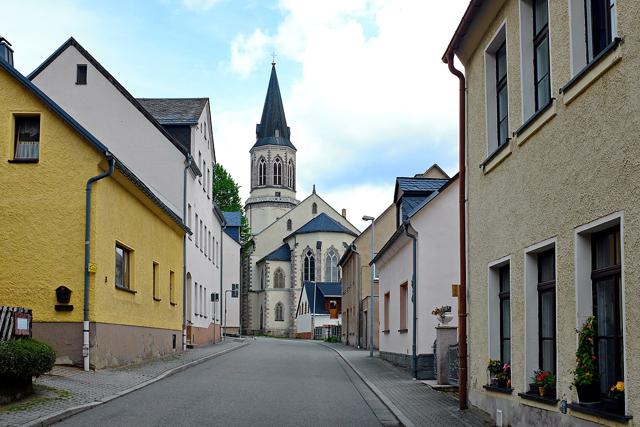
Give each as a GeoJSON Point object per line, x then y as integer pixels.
{"type": "Point", "coordinates": [6, 53]}
{"type": "Point", "coordinates": [344, 213]}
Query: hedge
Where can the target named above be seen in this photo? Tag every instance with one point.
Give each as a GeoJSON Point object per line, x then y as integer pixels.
{"type": "Point", "coordinates": [25, 358]}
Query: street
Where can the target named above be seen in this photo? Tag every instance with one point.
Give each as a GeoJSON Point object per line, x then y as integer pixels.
{"type": "Point", "coordinates": [270, 382]}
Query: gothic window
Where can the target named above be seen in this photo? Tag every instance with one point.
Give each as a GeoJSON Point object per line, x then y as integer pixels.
{"type": "Point", "coordinates": [309, 270]}
{"type": "Point", "coordinates": [278, 278]}
{"type": "Point", "coordinates": [277, 172]}
{"type": "Point", "coordinates": [291, 175]}
{"type": "Point", "coordinates": [314, 208]}
{"type": "Point", "coordinates": [262, 171]}
{"type": "Point", "coordinates": [279, 312]}
{"type": "Point", "coordinates": [289, 225]}
{"type": "Point", "coordinates": [331, 267]}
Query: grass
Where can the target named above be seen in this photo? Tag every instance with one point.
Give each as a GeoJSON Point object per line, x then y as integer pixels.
{"type": "Point", "coordinates": [42, 395]}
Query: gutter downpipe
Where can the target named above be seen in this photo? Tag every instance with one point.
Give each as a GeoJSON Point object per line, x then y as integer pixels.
{"type": "Point", "coordinates": [187, 165]}
{"type": "Point", "coordinates": [414, 355]}
{"type": "Point", "coordinates": [221, 266]}
{"type": "Point", "coordinates": [87, 257]}
{"type": "Point", "coordinates": [462, 294]}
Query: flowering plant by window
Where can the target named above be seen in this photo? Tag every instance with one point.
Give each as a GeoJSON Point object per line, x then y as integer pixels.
{"type": "Point", "coordinates": [586, 371]}
{"type": "Point", "coordinates": [543, 378]}
{"type": "Point", "coordinates": [494, 367]}
{"type": "Point", "coordinates": [617, 390]}
{"type": "Point", "coordinates": [441, 312]}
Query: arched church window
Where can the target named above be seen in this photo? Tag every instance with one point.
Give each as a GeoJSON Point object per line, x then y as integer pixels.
{"type": "Point", "coordinates": [331, 267]}
{"type": "Point", "coordinates": [278, 279]}
{"type": "Point", "coordinates": [279, 312]}
{"type": "Point", "coordinates": [289, 225]}
{"type": "Point", "coordinates": [262, 172]}
{"type": "Point", "coordinates": [309, 270]}
{"type": "Point", "coordinates": [314, 208]}
{"type": "Point", "coordinates": [291, 175]}
{"type": "Point", "coordinates": [277, 172]}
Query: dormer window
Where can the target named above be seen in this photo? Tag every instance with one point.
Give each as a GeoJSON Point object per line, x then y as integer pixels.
{"type": "Point", "coordinates": [81, 74]}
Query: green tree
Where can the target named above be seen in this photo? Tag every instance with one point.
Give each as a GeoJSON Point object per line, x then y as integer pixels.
{"type": "Point", "coordinates": [226, 194]}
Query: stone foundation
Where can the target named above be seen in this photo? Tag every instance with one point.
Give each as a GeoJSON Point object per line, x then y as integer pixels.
{"type": "Point", "coordinates": [197, 336]}
{"type": "Point", "coordinates": [426, 363]}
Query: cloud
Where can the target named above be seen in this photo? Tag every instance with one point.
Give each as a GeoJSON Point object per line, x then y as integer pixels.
{"type": "Point", "coordinates": [373, 99]}
{"type": "Point", "coordinates": [360, 200]}
{"type": "Point", "coordinates": [199, 4]}
{"type": "Point", "coordinates": [246, 51]}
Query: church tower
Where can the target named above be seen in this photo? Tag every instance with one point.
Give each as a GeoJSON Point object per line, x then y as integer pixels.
{"type": "Point", "coordinates": [273, 163]}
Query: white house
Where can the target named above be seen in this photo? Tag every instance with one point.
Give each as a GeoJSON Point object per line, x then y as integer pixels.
{"type": "Point", "coordinates": [319, 306]}
{"type": "Point", "coordinates": [231, 248]}
{"type": "Point", "coordinates": [428, 224]}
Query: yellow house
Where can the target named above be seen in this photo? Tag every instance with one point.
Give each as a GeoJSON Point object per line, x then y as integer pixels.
{"type": "Point", "coordinates": [134, 273]}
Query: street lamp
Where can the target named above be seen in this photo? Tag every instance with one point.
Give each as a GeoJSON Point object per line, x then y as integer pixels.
{"type": "Point", "coordinates": [371, 267]}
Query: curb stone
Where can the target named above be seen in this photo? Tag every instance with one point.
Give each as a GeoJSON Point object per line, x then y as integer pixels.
{"type": "Point", "coordinates": [69, 412]}
{"type": "Point", "coordinates": [404, 420]}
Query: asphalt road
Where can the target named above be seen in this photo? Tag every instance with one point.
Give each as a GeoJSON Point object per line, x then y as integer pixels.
{"type": "Point", "coordinates": [270, 382]}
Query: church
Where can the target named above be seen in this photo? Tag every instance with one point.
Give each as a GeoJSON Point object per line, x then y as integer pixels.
{"type": "Point", "coordinates": [293, 242]}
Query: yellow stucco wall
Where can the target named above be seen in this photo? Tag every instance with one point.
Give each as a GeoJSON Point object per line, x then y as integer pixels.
{"type": "Point", "coordinates": [42, 228]}
{"type": "Point", "coordinates": [580, 166]}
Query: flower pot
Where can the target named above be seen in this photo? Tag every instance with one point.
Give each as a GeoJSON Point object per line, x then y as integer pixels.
{"type": "Point", "coordinates": [541, 391]}
{"type": "Point", "coordinates": [588, 393]}
{"type": "Point", "coordinates": [533, 388]}
{"type": "Point", "coordinates": [613, 404]}
{"type": "Point", "coordinates": [502, 382]}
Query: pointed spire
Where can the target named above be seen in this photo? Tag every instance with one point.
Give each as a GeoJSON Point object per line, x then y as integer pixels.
{"type": "Point", "coordinates": [273, 129]}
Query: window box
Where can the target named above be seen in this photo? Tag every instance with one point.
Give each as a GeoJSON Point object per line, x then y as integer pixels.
{"type": "Point", "coordinates": [498, 389]}
{"type": "Point", "coordinates": [598, 410]}
{"type": "Point", "coordinates": [548, 400]}
{"type": "Point", "coordinates": [592, 71]}
{"type": "Point", "coordinates": [496, 157]}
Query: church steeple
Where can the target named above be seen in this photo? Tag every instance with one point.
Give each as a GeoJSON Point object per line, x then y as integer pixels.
{"type": "Point", "coordinates": [273, 129]}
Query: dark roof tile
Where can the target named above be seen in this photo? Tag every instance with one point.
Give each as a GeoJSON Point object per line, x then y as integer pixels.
{"type": "Point", "coordinates": [174, 111]}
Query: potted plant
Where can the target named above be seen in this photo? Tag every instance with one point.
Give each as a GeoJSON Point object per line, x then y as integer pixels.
{"type": "Point", "coordinates": [494, 367]}
{"type": "Point", "coordinates": [443, 314]}
{"type": "Point", "coordinates": [544, 383]}
{"type": "Point", "coordinates": [585, 376]}
{"type": "Point", "coordinates": [614, 402]}
{"type": "Point", "coordinates": [503, 377]}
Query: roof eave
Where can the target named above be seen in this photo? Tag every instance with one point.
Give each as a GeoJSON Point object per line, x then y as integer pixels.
{"type": "Point", "coordinates": [461, 30]}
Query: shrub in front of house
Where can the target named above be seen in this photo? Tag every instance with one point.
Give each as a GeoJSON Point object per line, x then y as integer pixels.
{"type": "Point", "coordinates": [20, 361]}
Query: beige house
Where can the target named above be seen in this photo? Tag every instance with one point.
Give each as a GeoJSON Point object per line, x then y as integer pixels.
{"type": "Point", "coordinates": [553, 229]}
{"type": "Point", "coordinates": [356, 282]}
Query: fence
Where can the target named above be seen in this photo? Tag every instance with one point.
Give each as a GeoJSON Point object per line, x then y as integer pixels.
{"type": "Point", "coordinates": [453, 364]}
{"type": "Point", "coordinates": [8, 327]}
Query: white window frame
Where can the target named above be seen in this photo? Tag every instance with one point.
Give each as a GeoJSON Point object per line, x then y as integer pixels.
{"type": "Point", "coordinates": [579, 32]}
{"type": "Point", "coordinates": [493, 308]}
{"type": "Point", "coordinates": [491, 105]}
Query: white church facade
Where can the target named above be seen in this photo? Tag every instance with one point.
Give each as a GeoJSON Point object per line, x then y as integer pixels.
{"type": "Point", "coordinates": [293, 242]}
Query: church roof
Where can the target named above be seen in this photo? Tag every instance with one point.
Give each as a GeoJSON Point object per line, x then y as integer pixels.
{"type": "Point", "coordinates": [273, 117]}
{"type": "Point", "coordinates": [283, 253]}
{"type": "Point", "coordinates": [322, 223]}
{"type": "Point", "coordinates": [175, 111]}
{"type": "Point", "coordinates": [322, 290]}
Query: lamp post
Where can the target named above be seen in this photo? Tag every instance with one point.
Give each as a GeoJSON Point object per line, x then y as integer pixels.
{"type": "Point", "coordinates": [225, 314]}
{"type": "Point", "coordinates": [371, 269]}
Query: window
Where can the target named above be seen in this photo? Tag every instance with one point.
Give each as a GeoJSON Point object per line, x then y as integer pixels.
{"type": "Point", "coordinates": [200, 165]}
{"type": "Point", "coordinates": [547, 311]}
{"type": "Point", "coordinates": [156, 280]}
{"type": "Point", "coordinates": [262, 171]}
{"type": "Point", "coordinates": [277, 171]}
{"type": "Point", "coordinates": [27, 142]}
{"type": "Point", "coordinates": [291, 175]}
{"type": "Point", "coordinates": [235, 288]}
{"type": "Point", "coordinates": [387, 297]}
{"type": "Point", "coordinates": [210, 241]}
{"type": "Point", "coordinates": [206, 242]}
{"type": "Point", "coordinates": [202, 236]}
{"type": "Point", "coordinates": [205, 305]}
{"type": "Point", "coordinates": [208, 182]}
{"type": "Point", "coordinates": [81, 74]}
{"type": "Point", "coordinates": [197, 234]}
{"type": "Point", "coordinates": [189, 216]}
{"type": "Point", "coordinates": [278, 279]}
{"type": "Point", "coordinates": [123, 267]}
{"type": "Point", "coordinates": [172, 288]}
{"type": "Point", "coordinates": [289, 225]}
{"type": "Point", "coordinates": [497, 99]}
{"type": "Point", "coordinates": [505, 314]}
{"type": "Point", "coordinates": [403, 307]}
{"type": "Point", "coordinates": [593, 28]}
{"type": "Point", "coordinates": [217, 256]}
{"type": "Point", "coordinates": [607, 305]}
{"type": "Point", "coordinates": [213, 244]}
{"type": "Point", "coordinates": [279, 312]}
{"type": "Point", "coordinates": [204, 176]}
{"type": "Point", "coordinates": [309, 270]}
{"type": "Point", "coordinates": [196, 293]}
{"type": "Point", "coordinates": [534, 25]}
{"type": "Point", "coordinates": [314, 208]}
{"type": "Point", "coordinates": [331, 267]}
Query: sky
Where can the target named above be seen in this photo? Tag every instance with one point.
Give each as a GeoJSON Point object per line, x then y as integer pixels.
{"type": "Point", "coordinates": [365, 92]}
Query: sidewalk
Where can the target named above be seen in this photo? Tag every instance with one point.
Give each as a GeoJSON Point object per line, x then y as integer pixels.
{"type": "Point", "coordinates": [413, 402]}
{"type": "Point", "coordinates": [76, 390]}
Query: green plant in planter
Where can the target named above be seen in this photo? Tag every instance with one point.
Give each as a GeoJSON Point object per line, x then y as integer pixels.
{"type": "Point", "coordinates": [20, 361]}
{"type": "Point", "coordinates": [585, 376]}
{"type": "Point", "coordinates": [544, 380]}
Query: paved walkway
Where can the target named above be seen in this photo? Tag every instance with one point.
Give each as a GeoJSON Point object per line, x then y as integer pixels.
{"type": "Point", "coordinates": [418, 403]}
{"type": "Point", "coordinates": [81, 388]}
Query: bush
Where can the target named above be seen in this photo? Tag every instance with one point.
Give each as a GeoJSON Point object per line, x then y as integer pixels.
{"type": "Point", "coordinates": [333, 339]}
{"type": "Point", "coordinates": [25, 358]}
